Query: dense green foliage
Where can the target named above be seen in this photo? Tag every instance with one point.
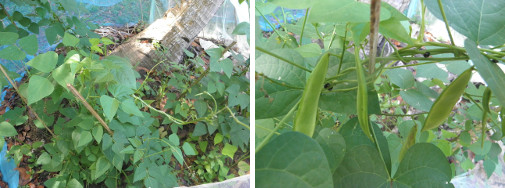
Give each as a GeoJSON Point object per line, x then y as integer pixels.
{"type": "Point", "coordinates": [184, 119]}
{"type": "Point", "coordinates": [411, 118]}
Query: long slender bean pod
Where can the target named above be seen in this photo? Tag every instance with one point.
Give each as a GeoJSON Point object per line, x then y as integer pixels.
{"type": "Point", "coordinates": [442, 107]}
{"type": "Point", "coordinates": [362, 99]}
{"type": "Point", "coordinates": [305, 119]}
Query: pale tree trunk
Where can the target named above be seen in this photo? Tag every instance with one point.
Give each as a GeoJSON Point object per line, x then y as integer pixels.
{"type": "Point", "coordinates": [174, 32]}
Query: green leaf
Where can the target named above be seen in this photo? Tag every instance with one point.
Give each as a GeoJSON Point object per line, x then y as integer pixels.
{"type": "Point", "coordinates": [345, 102]}
{"type": "Point", "coordinates": [333, 145]}
{"type": "Point", "coordinates": [431, 71]}
{"type": "Point", "coordinates": [467, 164]}
{"type": "Point", "coordinates": [29, 44]}
{"type": "Point", "coordinates": [218, 138]}
{"type": "Point", "coordinates": [300, 4]}
{"type": "Point", "coordinates": [74, 183]}
{"type": "Point", "coordinates": [274, 100]}
{"type": "Point", "coordinates": [44, 62]}
{"type": "Point", "coordinates": [109, 105]}
{"type": "Point", "coordinates": [174, 139]}
{"type": "Point", "coordinates": [280, 71]}
{"type": "Point", "coordinates": [178, 155]}
{"type": "Point", "coordinates": [124, 74]}
{"type": "Point", "coordinates": [225, 66]}
{"type": "Point", "coordinates": [6, 129]}
{"type": "Point", "coordinates": [422, 162]}
{"type": "Point", "coordinates": [43, 159]}
{"type": "Point", "coordinates": [64, 74]}
{"type": "Point", "coordinates": [97, 133]}
{"type": "Point", "coordinates": [229, 150]}
{"type": "Point", "coordinates": [140, 172]}
{"type": "Point", "coordinates": [416, 99]}
{"type": "Point", "coordinates": [343, 11]}
{"type": "Point", "coordinates": [479, 20]}
{"type": "Point", "coordinates": [285, 162]}
{"type": "Point", "coordinates": [38, 88]}
{"type": "Point", "coordinates": [490, 72]}
{"type": "Point", "coordinates": [442, 107]}
{"type": "Point", "coordinates": [403, 78]}
{"type": "Point", "coordinates": [12, 53]}
{"type": "Point", "coordinates": [188, 150]}
{"type": "Point", "coordinates": [84, 139]}
{"type": "Point", "coordinates": [8, 38]}
{"type": "Point", "coordinates": [480, 149]}
{"type": "Point", "coordinates": [200, 129]}
{"type": "Point", "coordinates": [137, 155]}
{"type": "Point", "coordinates": [129, 107]}
{"type": "Point", "coordinates": [489, 167]}
{"type": "Point", "coordinates": [102, 165]}
{"type": "Point", "coordinates": [393, 28]}
{"type": "Point", "coordinates": [70, 40]}
{"type": "Point", "coordinates": [128, 150]}
{"type": "Point", "coordinates": [309, 50]}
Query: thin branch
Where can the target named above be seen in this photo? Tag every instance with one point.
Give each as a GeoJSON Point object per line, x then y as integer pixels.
{"type": "Point", "coordinates": [86, 104]}
{"type": "Point", "coordinates": [25, 101]}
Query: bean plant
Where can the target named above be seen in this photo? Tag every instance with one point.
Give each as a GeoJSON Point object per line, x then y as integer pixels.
{"type": "Point", "coordinates": [102, 123]}
{"type": "Point", "coordinates": [329, 113]}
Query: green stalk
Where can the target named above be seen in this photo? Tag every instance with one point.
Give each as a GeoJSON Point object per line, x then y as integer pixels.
{"type": "Point", "coordinates": [281, 58]}
{"type": "Point", "coordinates": [446, 22]}
{"type": "Point", "coordinates": [303, 26]}
{"type": "Point", "coordinates": [343, 50]}
{"type": "Point", "coordinates": [279, 126]}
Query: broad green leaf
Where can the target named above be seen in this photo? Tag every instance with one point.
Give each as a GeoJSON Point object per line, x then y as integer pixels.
{"type": "Point", "coordinates": [480, 20]}
{"type": "Point", "coordinates": [416, 99]}
{"type": "Point", "coordinates": [12, 53]}
{"type": "Point", "coordinates": [43, 159]}
{"type": "Point", "coordinates": [273, 100]}
{"type": "Point", "coordinates": [140, 172]}
{"type": "Point", "coordinates": [285, 162]}
{"type": "Point", "coordinates": [137, 155]}
{"type": "Point", "coordinates": [343, 11]}
{"type": "Point", "coordinates": [424, 165]}
{"type": "Point", "coordinates": [129, 107]}
{"type": "Point", "coordinates": [225, 66]}
{"type": "Point", "coordinates": [442, 107]}
{"type": "Point", "coordinates": [8, 38]}
{"type": "Point", "coordinates": [102, 165]}
{"type": "Point", "coordinates": [188, 149]}
{"type": "Point", "coordinates": [109, 105]}
{"type": "Point", "coordinates": [228, 150]}
{"type": "Point", "coordinates": [345, 102]}
{"type": "Point", "coordinates": [218, 138]}
{"type": "Point", "coordinates": [392, 27]}
{"type": "Point", "coordinates": [52, 32]}
{"type": "Point", "coordinates": [6, 130]}
{"type": "Point", "coordinates": [124, 74]}
{"type": "Point", "coordinates": [84, 139]}
{"type": "Point", "coordinates": [467, 164]}
{"type": "Point", "coordinates": [44, 62]}
{"type": "Point", "coordinates": [409, 141]}
{"type": "Point", "coordinates": [479, 149]}
{"type": "Point", "coordinates": [431, 71]}
{"type": "Point", "coordinates": [309, 50]}
{"type": "Point", "coordinates": [333, 145]}
{"type": "Point", "coordinates": [362, 167]}
{"type": "Point", "coordinates": [178, 155]}
{"type": "Point", "coordinates": [490, 72]}
{"type": "Point", "coordinates": [300, 4]}
{"type": "Point", "coordinates": [70, 40]}
{"type": "Point", "coordinates": [403, 78]}
{"type": "Point", "coordinates": [489, 167]}
{"type": "Point", "coordinates": [265, 8]}
{"type": "Point", "coordinates": [38, 88]}
{"type": "Point", "coordinates": [280, 71]}
{"type": "Point", "coordinates": [97, 133]}
{"type": "Point", "coordinates": [74, 183]}
{"type": "Point", "coordinates": [64, 74]}
{"type": "Point", "coordinates": [29, 44]}
{"type": "Point", "coordinates": [174, 139]}
{"type": "Point", "coordinates": [128, 150]}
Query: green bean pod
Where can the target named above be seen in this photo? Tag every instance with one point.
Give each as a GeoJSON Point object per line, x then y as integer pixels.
{"type": "Point", "coordinates": [442, 107]}
{"type": "Point", "coordinates": [305, 119]}
{"type": "Point", "coordinates": [362, 99]}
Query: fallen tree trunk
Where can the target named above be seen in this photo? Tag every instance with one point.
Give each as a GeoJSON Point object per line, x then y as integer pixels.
{"type": "Point", "coordinates": [174, 32]}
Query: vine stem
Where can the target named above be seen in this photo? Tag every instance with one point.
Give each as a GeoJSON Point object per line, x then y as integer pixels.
{"type": "Point", "coordinates": [86, 104]}
{"type": "Point", "coordinates": [281, 58]}
{"type": "Point", "coordinates": [445, 21]}
{"type": "Point", "coordinates": [24, 100]}
{"type": "Point", "coordinates": [303, 26]}
{"type": "Point", "coordinates": [279, 125]}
